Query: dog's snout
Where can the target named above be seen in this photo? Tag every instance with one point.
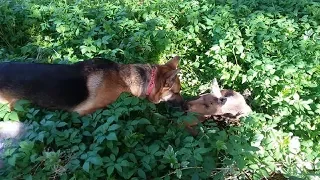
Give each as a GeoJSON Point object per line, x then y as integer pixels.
{"type": "Point", "coordinates": [186, 106]}
{"type": "Point", "coordinates": [176, 100]}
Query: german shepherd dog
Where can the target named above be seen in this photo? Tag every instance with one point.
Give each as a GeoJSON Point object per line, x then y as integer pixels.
{"type": "Point", "coordinates": [227, 105]}
{"type": "Point", "coordinates": [89, 85]}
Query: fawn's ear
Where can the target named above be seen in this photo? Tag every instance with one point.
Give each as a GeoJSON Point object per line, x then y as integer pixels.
{"type": "Point", "coordinates": [215, 89]}
{"type": "Point", "coordinates": [173, 63]}
{"type": "Point", "coordinates": [171, 78]}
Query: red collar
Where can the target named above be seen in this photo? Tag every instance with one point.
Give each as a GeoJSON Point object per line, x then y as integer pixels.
{"type": "Point", "coordinates": [151, 82]}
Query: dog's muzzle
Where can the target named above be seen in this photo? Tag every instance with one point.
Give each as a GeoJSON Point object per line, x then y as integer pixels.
{"type": "Point", "coordinates": [176, 101]}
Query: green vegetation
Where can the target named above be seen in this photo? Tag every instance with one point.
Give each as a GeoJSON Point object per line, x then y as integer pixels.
{"type": "Point", "coordinates": [270, 47]}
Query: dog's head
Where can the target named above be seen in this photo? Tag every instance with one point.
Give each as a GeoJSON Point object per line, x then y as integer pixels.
{"type": "Point", "coordinates": [167, 83]}
{"type": "Point", "coordinates": [219, 103]}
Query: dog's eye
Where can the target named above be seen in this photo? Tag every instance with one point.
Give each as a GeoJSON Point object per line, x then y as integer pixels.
{"type": "Point", "coordinates": [206, 105]}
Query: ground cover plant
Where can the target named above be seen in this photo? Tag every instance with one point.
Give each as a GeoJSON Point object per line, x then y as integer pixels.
{"type": "Point", "coordinates": [271, 48]}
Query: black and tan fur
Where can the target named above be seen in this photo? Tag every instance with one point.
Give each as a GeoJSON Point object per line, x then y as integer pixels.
{"type": "Point", "coordinates": [86, 86]}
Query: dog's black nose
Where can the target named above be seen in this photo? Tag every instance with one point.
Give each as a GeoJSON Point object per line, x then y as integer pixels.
{"type": "Point", "coordinates": [185, 106]}
{"type": "Point", "coordinates": [176, 105]}
{"type": "Point", "coordinates": [176, 101]}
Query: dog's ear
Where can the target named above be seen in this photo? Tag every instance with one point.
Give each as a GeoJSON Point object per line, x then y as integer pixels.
{"type": "Point", "coordinates": [173, 63]}
{"type": "Point", "coordinates": [215, 89]}
{"type": "Point", "coordinates": [171, 78]}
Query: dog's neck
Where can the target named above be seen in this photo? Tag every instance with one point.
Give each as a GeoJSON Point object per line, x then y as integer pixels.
{"type": "Point", "coordinates": [142, 79]}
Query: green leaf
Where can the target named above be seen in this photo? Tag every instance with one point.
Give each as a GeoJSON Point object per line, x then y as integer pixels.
{"type": "Point", "coordinates": [134, 122]}
{"type": "Point", "coordinates": [105, 39]}
{"type": "Point", "coordinates": [28, 177]}
{"type": "Point", "coordinates": [201, 150]}
{"type": "Point", "coordinates": [115, 150]}
{"type": "Point", "coordinates": [127, 100]}
{"type": "Point", "coordinates": [82, 147]}
{"type": "Point", "coordinates": [26, 145]}
{"type": "Point", "coordinates": [75, 163]}
{"type": "Point", "coordinates": [3, 113]}
{"type": "Point", "coordinates": [142, 174]}
{"type": "Point", "coordinates": [95, 160]}
{"type": "Point", "coordinates": [111, 119]}
{"type": "Point", "coordinates": [196, 64]}
{"type": "Point", "coordinates": [61, 124]}
{"type": "Point", "coordinates": [22, 102]}
{"type": "Point", "coordinates": [184, 164]}
{"type": "Point", "coordinates": [118, 167]}
{"type": "Point", "coordinates": [86, 166]}
{"type": "Point", "coordinates": [13, 116]}
{"type": "Point", "coordinates": [106, 112]}
{"type": "Point", "coordinates": [114, 127]}
{"type": "Point", "coordinates": [110, 170]}
{"type": "Point", "coordinates": [212, 131]}
{"type": "Point", "coordinates": [84, 156]}
{"type": "Point", "coordinates": [144, 121]}
{"type": "Point", "coordinates": [257, 140]}
{"type": "Point", "coordinates": [241, 163]}
{"type": "Point", "coordinates": [219, 175]}
{"type": "Point", "coordinates": [124, 163]}
{"type": "Point", "coordinates": [133, 158]}
{"type": "Point", "coordinates": [195, 176]}
{"type": "Point", "coordinates": [147, 166]}
{"type": "Point", "coordinates": [112, 137]}
{"type": "Point", "coordinates": [179, 173]}
{"type": "Point", "coordinates": [18, 107]}
{"type": "Point", "coordinates": [113, 157]}
{"type": "Point", "coordinates": [10, 151]}
{"type": "Point", "coordinates": [12, 160]}
{"type": "Point", "coordinates": [135, 101]}
{"type": "Point", "coordinates": [254, 166]}
{"type": "Point", "coordinates": [221, 145]}
{"type": "Point", "coordinates": [169, 152]}
{"type": "Point", "coordinates": [151, 129]}
{"type": "Point", "coordinates": [154, 148]}
{"type": "Point", "coordinates": [87, 133]}
{"type": "Point", "coordinates": [198, 157]}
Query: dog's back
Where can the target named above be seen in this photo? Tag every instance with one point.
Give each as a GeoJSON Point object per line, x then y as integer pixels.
{"type": "Point", "coordinates": [44, 84]}
{"type": "Point", "coordinates": [49, 85]}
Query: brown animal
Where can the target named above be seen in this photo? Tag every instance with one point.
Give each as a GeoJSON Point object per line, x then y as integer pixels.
{"type": "Point", "coordinates": [89, 85]}
{"type": "Point", "coordinates": [219, 104]}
